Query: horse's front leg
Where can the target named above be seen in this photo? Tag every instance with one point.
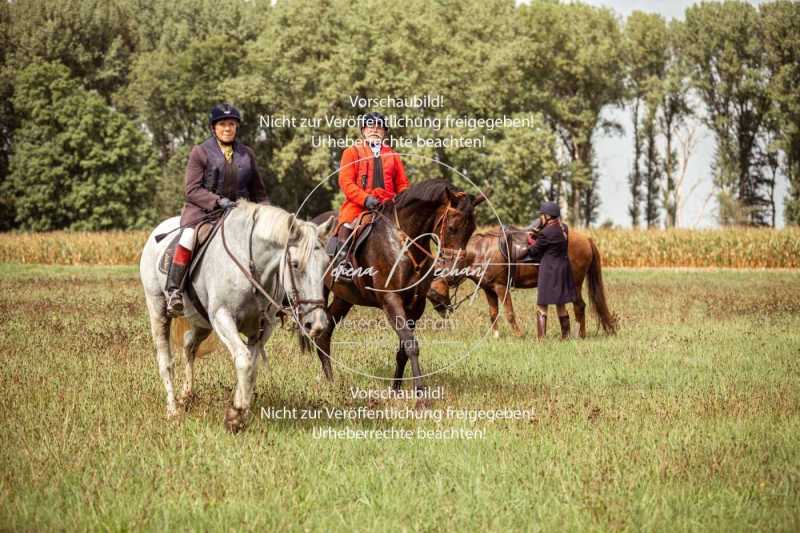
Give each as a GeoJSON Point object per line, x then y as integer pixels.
{"type": "Point", "coordinates": [504, 294]}
{"type": "Point", "coordinates": [159, 326]}
{"type": "Point", "coordinates": [245, 360]}
{"type": "Point", "coordinates": [191, 342]}
{"type": "Point", "coordinates": [491, 299]}
{"type": "Point", "coordinates": [409, 347]}
{"type": "Point", "coordinates": [400, 369]}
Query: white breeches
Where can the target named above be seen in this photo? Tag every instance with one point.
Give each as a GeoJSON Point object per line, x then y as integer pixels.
{"type": "Point", "coordinates": [187, 238]}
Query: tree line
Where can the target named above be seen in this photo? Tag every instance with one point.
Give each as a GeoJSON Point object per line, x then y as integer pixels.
{"type": "Point", "coordinates": [103, 99]}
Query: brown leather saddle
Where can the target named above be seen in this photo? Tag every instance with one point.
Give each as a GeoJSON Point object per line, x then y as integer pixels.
{"type": "Point", "coordinates": [514, 248]}
{"type": "Point", "coordinates": [361, 231]}
{"type": "Point", "coordinates": [201, 238]}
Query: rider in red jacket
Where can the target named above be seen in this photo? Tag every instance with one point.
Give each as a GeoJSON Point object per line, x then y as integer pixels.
{"type": "Point", "coordinates": [370, 173]}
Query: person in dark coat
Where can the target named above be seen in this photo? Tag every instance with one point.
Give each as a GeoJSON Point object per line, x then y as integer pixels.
{"type": "Point", "coordinates": [555, 284]}
{"type": "Point", "coordinates": [220, 171]}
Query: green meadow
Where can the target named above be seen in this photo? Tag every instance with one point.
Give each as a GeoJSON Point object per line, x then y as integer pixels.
{"type": "Point", "coordinates": [688, 419]}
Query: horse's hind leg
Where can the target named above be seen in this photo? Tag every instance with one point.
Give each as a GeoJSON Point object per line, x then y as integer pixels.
{"type": "Point", "coordinates": [579, 307]}
{"type": "Point", "coordinates": [159, 327]}
{"type": "Point", "coordinates": [244, 360]}
{"type": "Point", "coordinates": [402, 358]}
{"type": "Point", "coordinates": [256, 345]}
{"type": "Point", "coordinates": [191, 342]}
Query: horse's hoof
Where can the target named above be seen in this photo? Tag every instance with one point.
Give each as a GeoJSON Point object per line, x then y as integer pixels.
{"type": "Point", "coordinates": [422, 403]}
{"type": "Point", "coordinates": [234, 419]}
{"type": "Point", "coordinates": [496, 334]}
{"type": "Point", "coordinates": [172, 411]}
{"type": "Point", "coordinates": [186, 399]}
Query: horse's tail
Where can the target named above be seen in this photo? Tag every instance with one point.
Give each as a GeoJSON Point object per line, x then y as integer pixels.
{"type": "Point", "coordinates": [597, 293]}
{"type": "Point", "coordinates": [178, 329]}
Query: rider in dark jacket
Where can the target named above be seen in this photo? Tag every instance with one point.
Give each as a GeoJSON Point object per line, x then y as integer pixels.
{"type": "Point", "coordinates": [220, 171]}
{"type": "Point", "coordinates": [555, 284]}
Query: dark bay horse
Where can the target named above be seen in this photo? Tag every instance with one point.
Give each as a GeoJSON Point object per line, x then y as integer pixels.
{"type": "Point", "coordinates": [492, 275]}
{"type": "Point", "coordinates": [398, 250]}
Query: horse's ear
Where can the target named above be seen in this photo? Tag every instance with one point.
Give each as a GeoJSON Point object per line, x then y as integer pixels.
{"type": "Point", "coordinates": [324, 229]}
{"type": "Point", "coordinates": [292, 228]}
{"type": "Point", "coordinates": [481, 196]}
{"type": "Point", "coordinates": [455, 196]}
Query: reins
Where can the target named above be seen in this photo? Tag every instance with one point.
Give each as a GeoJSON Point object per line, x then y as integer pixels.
{"type": "Point", "coordinates": [295, 301]}
{"type": "Point", "coordinates": [441, 222]}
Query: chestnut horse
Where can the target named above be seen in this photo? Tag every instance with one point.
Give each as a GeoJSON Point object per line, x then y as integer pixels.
{"type": "Point", "coordinates": [398, 265]}
{"type": "Point", "coordinates": [489, 269]}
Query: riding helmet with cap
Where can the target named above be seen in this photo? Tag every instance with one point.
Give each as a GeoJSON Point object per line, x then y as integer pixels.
{"type": "Point", "coordinates": [223, 111]}
{"type": "Point", "coordinates": [550, 209]}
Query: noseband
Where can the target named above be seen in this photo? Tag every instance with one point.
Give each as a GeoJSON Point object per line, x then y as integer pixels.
{"type": "Point", "coordinates": [295, 301]}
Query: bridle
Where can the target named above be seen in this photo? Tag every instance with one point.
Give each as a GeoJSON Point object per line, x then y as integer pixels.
{"type": "Point", "coordinates": [296, 303]}
{"type": "Point", "coordinates": [442, 222]}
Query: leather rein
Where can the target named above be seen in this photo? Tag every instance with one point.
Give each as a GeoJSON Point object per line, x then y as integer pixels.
{"type": "Point", "coordinates": [295, 302]}
{"type": "Point", "coordinates": [441, 222]}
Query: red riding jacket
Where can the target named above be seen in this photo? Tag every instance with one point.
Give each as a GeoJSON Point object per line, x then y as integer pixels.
{"type": "Point", "coordinates": [356, 176]}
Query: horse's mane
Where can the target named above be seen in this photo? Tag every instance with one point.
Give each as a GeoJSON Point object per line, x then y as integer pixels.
{"type": "Point", "coordinates": [425, 191]}
{"type": "Point", "coordinates": [272, 224]}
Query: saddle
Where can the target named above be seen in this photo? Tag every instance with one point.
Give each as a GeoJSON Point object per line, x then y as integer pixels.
{"type": "Point", "coordinates": [361, 231]}
{"type": "Point", "coordinates": [514, 248]}
{"type": "Point", "coordinates": [201, 238]}
{"type": "Point", "coordinates": [359, 235]}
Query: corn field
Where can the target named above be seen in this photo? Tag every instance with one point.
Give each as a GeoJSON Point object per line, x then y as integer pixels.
{"type": "Point", "coordinates": [729, 247]}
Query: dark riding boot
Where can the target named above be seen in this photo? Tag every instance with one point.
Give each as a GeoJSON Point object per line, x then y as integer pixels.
{"type": "Point", "coordinates": [332, 247]}
{"type": "Point", "coordinates": [564, 321]}
{"type": "Point", "coordinates": [174, 289]}
{"type": "Point", "coordinates": [344, 234]}
{"type": "Point", "coordinates": [541, 325]}
{"type": "Point", "coordinates": [341, 266]}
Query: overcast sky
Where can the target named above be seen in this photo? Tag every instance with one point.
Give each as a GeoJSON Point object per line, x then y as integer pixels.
{"type": "Point", "coordinates": [614, 154]}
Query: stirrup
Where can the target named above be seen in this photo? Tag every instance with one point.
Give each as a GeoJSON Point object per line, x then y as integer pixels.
{"type": "Point", "coordinates": [175, 304]}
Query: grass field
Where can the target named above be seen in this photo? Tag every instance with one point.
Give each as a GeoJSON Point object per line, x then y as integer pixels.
{"type": "Point", "coordinates": [688, 419]}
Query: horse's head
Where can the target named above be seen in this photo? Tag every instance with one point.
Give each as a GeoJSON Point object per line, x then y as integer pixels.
{"type": "Point", "coordinates": [439, 296]}
{"type": "Point", "coordinates": [302, 271]}
{"type": "Point", "coordinates": [456, 221]}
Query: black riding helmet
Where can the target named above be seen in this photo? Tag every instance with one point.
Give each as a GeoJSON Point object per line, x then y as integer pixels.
{"type": "Point", "coordinates": [221, 112]}
{"type": "Point", "coordinates": [551, 209]}
{"type": "Point", "coordinates": [373, 118]}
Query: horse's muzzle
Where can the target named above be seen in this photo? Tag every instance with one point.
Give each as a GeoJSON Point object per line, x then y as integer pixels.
{"type": "Point", "coordinates": [315, 322]}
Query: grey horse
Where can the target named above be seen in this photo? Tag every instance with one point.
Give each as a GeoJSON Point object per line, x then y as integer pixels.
{"type": "Point", "coordinates": [289, 261]}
